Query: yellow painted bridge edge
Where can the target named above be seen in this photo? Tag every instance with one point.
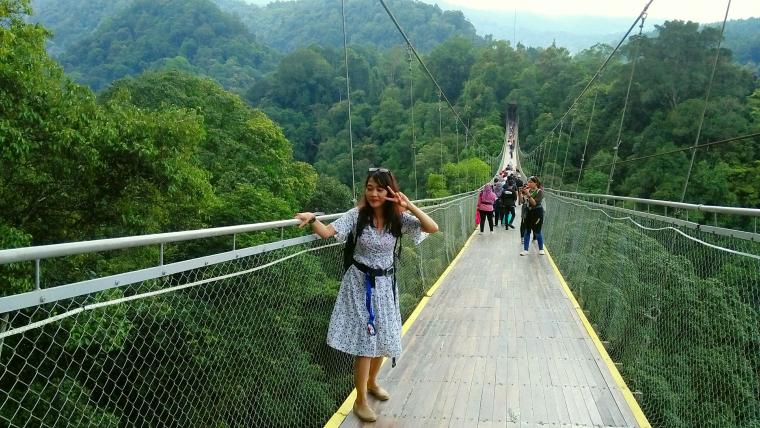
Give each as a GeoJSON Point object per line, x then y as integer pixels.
{"type": "Point", "coordinates": [627, 394]}
{"type": "Point", "coordinates": [340, 415]}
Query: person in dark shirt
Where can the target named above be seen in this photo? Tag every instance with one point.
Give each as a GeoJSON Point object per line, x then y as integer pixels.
{"type": "Point", "coordinates": [532, 197]}
{"type": "Point", "coordinates": [508, 199]}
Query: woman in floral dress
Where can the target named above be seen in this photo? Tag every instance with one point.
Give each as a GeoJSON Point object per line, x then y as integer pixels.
{"type": "Point", "coordinates": [366, 320]}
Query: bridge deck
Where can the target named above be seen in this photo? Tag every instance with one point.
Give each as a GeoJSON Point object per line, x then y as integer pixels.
{"type": "Point", "coordinates": [499, 344]}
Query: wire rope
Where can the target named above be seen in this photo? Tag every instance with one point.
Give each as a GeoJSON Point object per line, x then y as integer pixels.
{"type": "Point", "coordinates": [585, 145]}
{"type": "Point", "coordinates": [348, 98]}
{"type": "Point", "coordinates": [625, 104]}
{"type": "Point", "coordinates": [704, 107]}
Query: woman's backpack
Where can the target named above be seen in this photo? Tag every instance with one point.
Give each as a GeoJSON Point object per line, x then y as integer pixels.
{"type": "Point", "coordinates": [348, 250]}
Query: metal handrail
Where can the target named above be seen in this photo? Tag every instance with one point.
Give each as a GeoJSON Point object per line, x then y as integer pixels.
{"type": "Point", "coordinates": [42, 252]}
{"type": "Point", "coordinates": [679, 205]}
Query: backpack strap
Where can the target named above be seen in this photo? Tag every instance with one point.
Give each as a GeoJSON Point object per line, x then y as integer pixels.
{"type": "Point", "coordinates": [396, 257]}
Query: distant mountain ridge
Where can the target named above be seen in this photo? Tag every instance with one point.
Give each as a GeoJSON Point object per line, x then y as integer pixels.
{"type": "Point", "coordinates": [290, 25]}
{"type": "Point", "coordinates": [286, 26]}
{"type": "Point", "coordinates": [190, 35]}
{"type": "Point", "coordinates": [72, 20]}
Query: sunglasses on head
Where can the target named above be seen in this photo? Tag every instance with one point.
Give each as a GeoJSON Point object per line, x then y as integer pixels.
{"type": "Point", "coordinates": [385, 170]}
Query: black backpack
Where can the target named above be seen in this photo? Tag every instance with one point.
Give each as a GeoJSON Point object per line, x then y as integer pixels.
{"type": "Point", "coordinates": [348, 250]}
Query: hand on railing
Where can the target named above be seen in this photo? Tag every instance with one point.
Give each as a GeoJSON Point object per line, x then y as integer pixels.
{"type": "Point", "coordinates": [305, 218]}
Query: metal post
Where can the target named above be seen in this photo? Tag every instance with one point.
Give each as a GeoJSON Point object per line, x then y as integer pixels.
{"type": "Point", "coordinates": [4, 324]}
{"type": "Point", "coordinates": [161, 257]}
{"type": "Point", "coordinates": [37, 274]}
{"type": "Point", "coordinates": [234, 242]}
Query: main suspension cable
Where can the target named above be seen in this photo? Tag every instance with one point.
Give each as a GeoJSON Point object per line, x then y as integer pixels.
{"type": "Point", "coordinates": [424, 66]}
{"type": "Point", "coordinates": [348, 97]}
{"type": "Point", "coordinates": [704, 107]}
{"type": "Point", "coordinates": [414, 136]}
{"type": "Point", "coordinates": [604, 64]}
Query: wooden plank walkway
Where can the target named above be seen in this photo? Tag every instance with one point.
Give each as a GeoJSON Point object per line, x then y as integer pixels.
{"type": "Point", "coordinates": [499, 345]}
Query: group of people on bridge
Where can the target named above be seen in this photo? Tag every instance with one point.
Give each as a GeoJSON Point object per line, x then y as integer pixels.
{"type": "Point", "coordinates": [497, 203]}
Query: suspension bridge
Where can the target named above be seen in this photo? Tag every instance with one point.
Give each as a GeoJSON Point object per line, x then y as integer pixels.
{"type": "Point", "coordinates": [580, 337]}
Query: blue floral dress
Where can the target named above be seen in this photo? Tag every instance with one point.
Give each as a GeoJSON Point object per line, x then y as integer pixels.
{"type": "Point", "coordinates": [348, 323]}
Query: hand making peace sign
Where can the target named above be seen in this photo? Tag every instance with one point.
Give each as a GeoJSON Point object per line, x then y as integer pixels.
{"type": "Point", "coordinates": [399, 198]}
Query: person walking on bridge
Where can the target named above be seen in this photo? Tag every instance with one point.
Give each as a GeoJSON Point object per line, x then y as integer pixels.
{"type": "Point", "coordinates": [366, 318]}
{"type": "Point", "coordinates": [486, 199]}
{"type": "Point", "coordinates": [532, 197]}
{"type": "Point", "coordinates": [498, 211]}
{"type": "Point", "coordinates": [508, 198]}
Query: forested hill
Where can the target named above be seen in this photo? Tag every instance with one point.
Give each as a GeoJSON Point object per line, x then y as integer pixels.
{"type": "Point", "coordinates": [287, 26]}
{"type": "Point", "coordinates": [189, 35]}
{"type": "Point", "coordinates": [743, 38]}
{"type": "Point", "coordinates": [72, 20]}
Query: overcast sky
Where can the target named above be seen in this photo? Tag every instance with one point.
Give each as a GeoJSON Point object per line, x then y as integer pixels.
{"type": "Point", "coordinates": [694, 10]}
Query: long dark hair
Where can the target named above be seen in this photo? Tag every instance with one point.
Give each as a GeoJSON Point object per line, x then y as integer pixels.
{"type": "Point", "coordinates": [391, 211]}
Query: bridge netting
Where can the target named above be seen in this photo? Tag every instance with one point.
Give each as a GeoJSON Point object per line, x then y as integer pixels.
{"type": "Point", "coordinates": [235, 338]}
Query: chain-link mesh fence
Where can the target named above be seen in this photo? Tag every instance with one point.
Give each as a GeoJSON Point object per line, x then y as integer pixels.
{"type": "Point", "coordinates": [678, 308]}
{"type": "Point", "coordinates": [237, 343]}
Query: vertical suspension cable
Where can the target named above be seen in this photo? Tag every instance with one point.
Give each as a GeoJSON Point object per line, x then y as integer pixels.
{"type": "Point", "coordinates": [348, 98]}
{"type": "Point", "coordinates": [414, 137]}
{"type": "Point", "coordinates": [704, 108]}
{"type": "Point", "coordinates": [567, 150]}
{"type": "Point", "coordinates": [456, 122]}
{"type": "Point", "coordinates": [556, 151]}
{"type": "Point", "coordinates": [585, 145]}
{"type": "Point", "coordinates": [440, 128]}
{"type": "Point", "coordinates": [540, 156]}
{"type": "Point", "coordinates": [625, 104]}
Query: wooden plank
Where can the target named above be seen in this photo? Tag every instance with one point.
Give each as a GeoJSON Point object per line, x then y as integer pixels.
{"type": "Point", "coordinates": [513, 403]}
{"type": "Point", "coordinates": [575, 406]}
{"type": "Point", "coordinates": [556, 405]}
{"type": "Point", "coordinates": [459, 407]}
{"type": "Point", "coordinates": [538, 405]}
{"type": "Point", "coordinates": [608, 408]}
{"type": "Point", "coordinates": [476, 391]}
{"type": "Point", "coordinates": [593, 411]}
{"type": "Point", "coordinates": [534, 368]}
{"type": "Point", "coordinates": [422, 399]}
{"type": "Point", "coordinates": [526, 403]}
{"type": "Point", "coordinates": [499, 411]}
{"type": "Point", "coordinates": [445, 403]}
{"type": "Point", "coordinates": [395, 405]}
{"type": "Point", "coordinates": [486, 411]}
{"type": "Point", "coordinates": [513, 372]}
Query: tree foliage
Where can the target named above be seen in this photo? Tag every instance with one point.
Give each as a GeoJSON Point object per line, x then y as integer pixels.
{"type": "Point", "coordinates": [193, 35]}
